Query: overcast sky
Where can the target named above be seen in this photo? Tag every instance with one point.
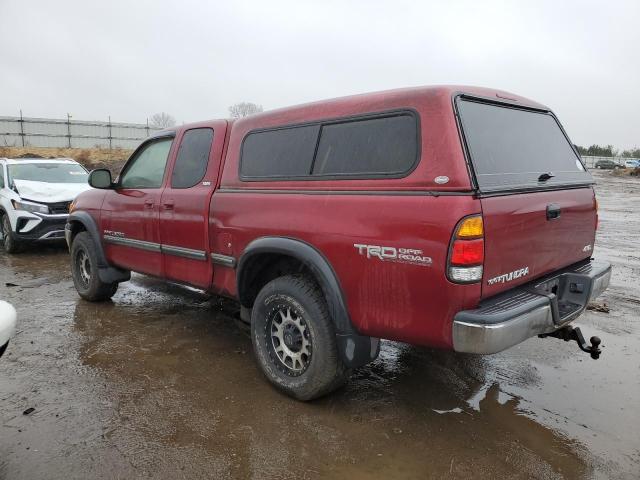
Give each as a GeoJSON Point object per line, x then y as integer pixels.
{"type": "Point", "coordinates": [130, 59]}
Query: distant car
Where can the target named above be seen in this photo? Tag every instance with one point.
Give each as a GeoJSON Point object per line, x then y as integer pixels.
{"type": "Point", "coordinates": [7, 324]}
{"type": "Point", "coordinates": [35, 195]}
{"type": "Point", "coordinates": [607, 164]}
{"type": "Point", "coordinates": [632, 164]}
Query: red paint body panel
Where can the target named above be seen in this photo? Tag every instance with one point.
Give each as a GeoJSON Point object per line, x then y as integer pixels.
{"type": "Point", "coordinates": [519, 235]}
{"type": "Point", "coordinates": [409, 302]}
{"type": "Point", "coordinates": [134, 214]}
{"type": "Point", "coordinates": [184, 215]}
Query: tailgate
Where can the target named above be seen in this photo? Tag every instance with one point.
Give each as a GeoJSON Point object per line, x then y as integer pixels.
{"type": "Point", "coordinates": [537, 198]}
{"type": "Point", "coordinates": [530, 235]}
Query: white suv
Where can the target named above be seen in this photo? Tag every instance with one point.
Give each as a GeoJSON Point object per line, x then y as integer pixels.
{"type": "Point", "coordinates": [35, 195]}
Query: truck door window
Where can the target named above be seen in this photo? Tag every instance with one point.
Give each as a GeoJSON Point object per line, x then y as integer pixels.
{"type": "Point", "coordinates": [1, 176]}
{"type": "Point", "coordinates": [146, 169]}
{"type": "Point", "coordinates": [193, 158]}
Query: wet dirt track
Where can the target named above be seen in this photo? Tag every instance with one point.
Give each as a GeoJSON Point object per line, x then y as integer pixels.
{"type": "Point", "coordinates": [161, 383]}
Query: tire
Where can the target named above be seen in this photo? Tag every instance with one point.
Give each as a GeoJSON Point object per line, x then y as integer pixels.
{"type": "Point", "coordinates": [10, 243]}
{"type": "Point", "coordinates": [292, 308]}
{"type": "Point", "coordinates": [84, 268]}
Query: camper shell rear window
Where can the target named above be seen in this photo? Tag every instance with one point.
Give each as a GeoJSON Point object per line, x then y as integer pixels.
{"type": "Point", "coordinates": [517, 148]}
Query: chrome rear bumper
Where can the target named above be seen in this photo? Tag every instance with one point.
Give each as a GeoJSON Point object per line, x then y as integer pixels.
{"type": "Point", "coordinates": [533, 309]}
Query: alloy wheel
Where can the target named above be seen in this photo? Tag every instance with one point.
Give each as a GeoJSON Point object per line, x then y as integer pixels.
{"type": "Point", "coordinates": [84, 267]}
{"type": "Point", "coordinates": [290, 340]}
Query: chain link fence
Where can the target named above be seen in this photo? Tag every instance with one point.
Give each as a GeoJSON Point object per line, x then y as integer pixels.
{"type": "Point", "coordinates": [68, 133]}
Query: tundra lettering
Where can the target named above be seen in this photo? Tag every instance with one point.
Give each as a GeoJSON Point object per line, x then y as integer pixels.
{"type": "Point", "coordinates": [507, 277]}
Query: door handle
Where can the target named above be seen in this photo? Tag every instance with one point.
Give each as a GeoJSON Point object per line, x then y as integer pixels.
{"type": "Point", "coordinates": [168, 205]}
{"type": "Point", "coordinates": [553, 211]}
{"type": "Point", "coordinates": [148, 203]}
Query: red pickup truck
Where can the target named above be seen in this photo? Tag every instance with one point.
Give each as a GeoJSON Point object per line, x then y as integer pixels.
{"type": "Point", "coordinates": [450, 217]}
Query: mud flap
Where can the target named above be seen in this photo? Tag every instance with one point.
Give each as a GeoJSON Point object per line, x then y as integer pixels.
{"type": "Point", "coordinates": [357, 350]}
{"type": "Point", "coordinates": [112, 274]}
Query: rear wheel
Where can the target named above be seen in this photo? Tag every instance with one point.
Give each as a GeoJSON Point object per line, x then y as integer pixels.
{"type": "Point", "coordinates": [294, 340]}
{"type": "Point", "coordinates": [11, 245]}
{"type": "Point", "coordinates": [84, 268]}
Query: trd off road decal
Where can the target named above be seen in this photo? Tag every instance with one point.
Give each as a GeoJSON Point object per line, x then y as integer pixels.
{"type": "Point", "coordinates": [393, 254]}
{"type": "Point", "coordinates": [507, 277]}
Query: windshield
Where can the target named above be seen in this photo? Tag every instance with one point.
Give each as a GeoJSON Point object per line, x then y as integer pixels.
{"type": "Point", "coordinates": [512, 148]}
{"type": "Point", "coordinates": [48, 172]}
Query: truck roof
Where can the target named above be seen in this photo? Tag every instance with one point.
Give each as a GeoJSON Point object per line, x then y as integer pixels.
{"type": "Point", "coordinates": [411, 94]}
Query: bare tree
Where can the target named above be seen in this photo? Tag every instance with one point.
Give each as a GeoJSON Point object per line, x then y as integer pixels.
{"type": "Point", "coordinates": [162, 120]}
{"type": "Point", "coordinates": [244, 109]}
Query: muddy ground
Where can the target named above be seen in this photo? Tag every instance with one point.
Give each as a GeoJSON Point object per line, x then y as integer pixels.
{"type": "Point", "coordinates": [161, 383]}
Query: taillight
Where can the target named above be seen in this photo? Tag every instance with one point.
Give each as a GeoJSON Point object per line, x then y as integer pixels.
{"type": "Point", "coordinates": [595, 203]}
{"type": "Point", "coordinates": [466, 253]}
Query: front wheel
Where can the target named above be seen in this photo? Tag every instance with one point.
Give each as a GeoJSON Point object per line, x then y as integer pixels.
{"type": "Point", "coordinates": [294, 339]}
{"type": "Point", "coordinates": [84, 268]}
{"type": "Point", "coordinates": [11, 245]}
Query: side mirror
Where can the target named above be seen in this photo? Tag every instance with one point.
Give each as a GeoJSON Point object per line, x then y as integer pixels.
{"type": "Point", "coordinates": [100, 178]}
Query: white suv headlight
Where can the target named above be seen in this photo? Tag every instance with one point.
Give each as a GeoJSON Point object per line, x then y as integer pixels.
{"type": "Point", "coordinates": [30, 207]}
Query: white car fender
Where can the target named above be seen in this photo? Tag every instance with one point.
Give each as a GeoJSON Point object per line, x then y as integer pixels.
{"type": "Point", "coordinates": [8, 318]}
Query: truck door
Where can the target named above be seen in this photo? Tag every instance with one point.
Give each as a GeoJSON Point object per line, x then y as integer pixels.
{"type": "Point", "coordinates": [184, 206]}
{"type": "Point", "coordinates": [130, 211]}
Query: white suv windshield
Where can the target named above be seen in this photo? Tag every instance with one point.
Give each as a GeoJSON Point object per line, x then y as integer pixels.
{"type": "Point", "coordinates": [48, 172]}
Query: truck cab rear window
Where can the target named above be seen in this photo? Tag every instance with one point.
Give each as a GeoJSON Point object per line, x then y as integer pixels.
{"type": "Point", "coordinates": [193, 157]}
{"type": "Point", "coordinates": [355, 148]}
{"type": "Point", "coordinates": [510, 148]}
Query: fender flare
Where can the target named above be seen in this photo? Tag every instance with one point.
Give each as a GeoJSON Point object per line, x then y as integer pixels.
{"type": "Point", "coordinates": [106, 272]}
{"type": "Point", "coordinates": [90, 226]}
{"type": "Point", "coordinates": [355, 349]}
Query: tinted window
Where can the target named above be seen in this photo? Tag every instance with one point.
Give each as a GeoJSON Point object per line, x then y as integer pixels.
{"type": "Point", "coordinates": [146, 169]}
{"type": "Point", "coordinates": [376, 146]}
{"type": "Point", "coordinates": [1, 176]}
{"type": "Point", "coordinates": [512, 147]}
{"type": "Point", "coordinates": [366, 147]}
{"type": "Point", "coordinates": [286, 152]}
{"type": "Point", "coordinates": [193, 158]}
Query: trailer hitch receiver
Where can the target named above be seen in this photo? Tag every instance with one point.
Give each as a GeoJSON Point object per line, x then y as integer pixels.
{"type": "Point", "coordinates": [569, 333]}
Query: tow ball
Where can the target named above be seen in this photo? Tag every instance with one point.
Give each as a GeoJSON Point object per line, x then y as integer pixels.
{"type": "Point", "coordinates": [569, 333]}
